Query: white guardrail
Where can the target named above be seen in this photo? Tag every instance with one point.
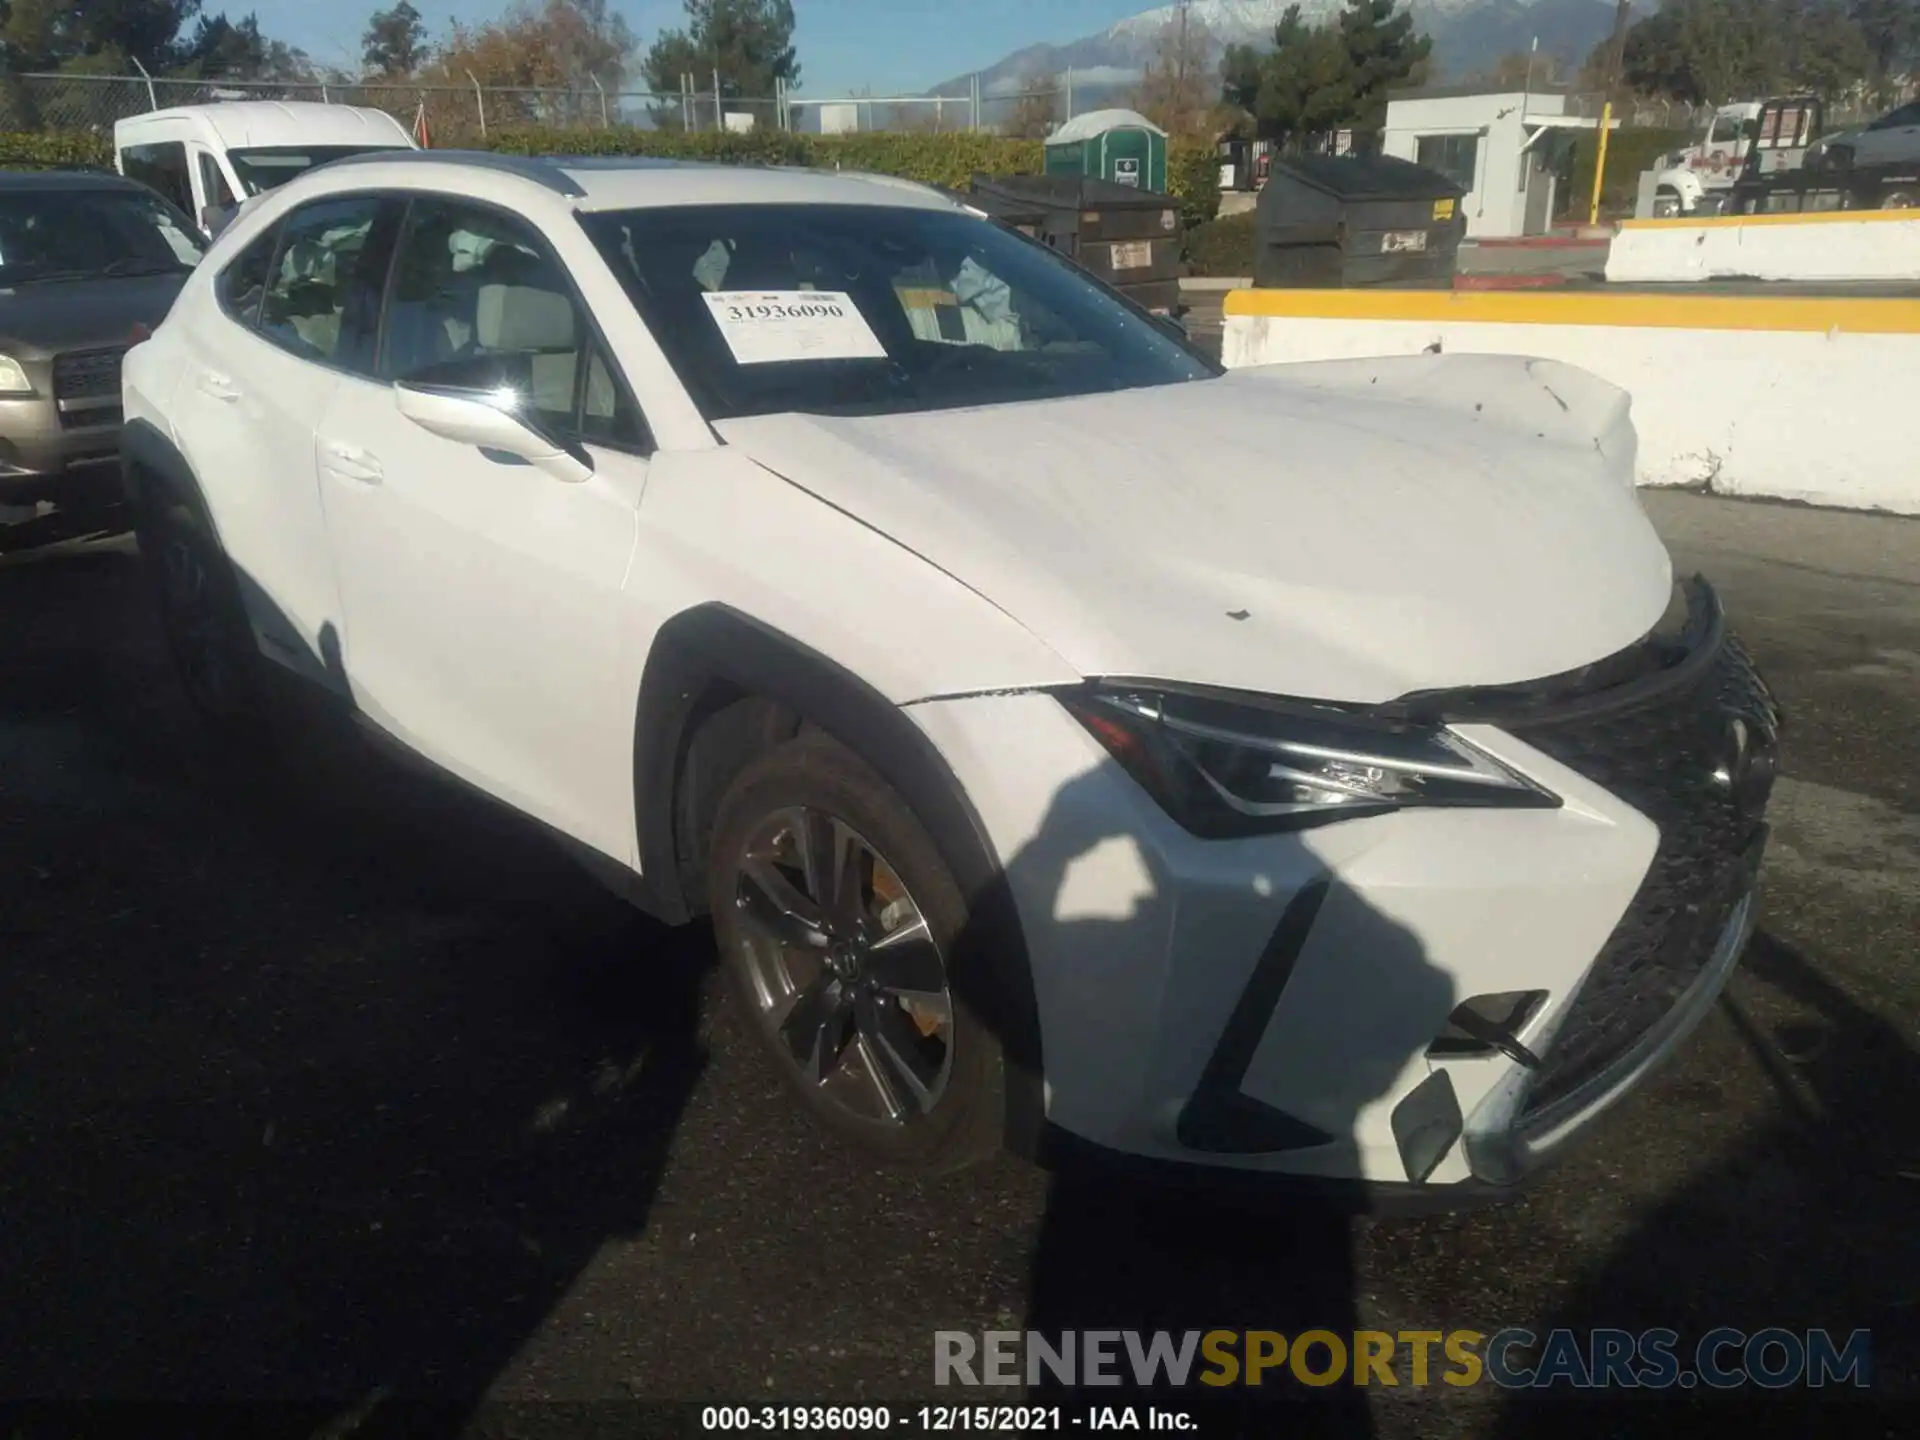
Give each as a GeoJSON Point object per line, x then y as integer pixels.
{"type": "Point", "coordinates": [1794, 398]}
{"type": "Point", "coordinates": [1838, 245]}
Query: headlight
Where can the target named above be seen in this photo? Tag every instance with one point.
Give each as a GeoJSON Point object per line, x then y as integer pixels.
{"type": "Point", "coordinates": [1223, 768]}
{"type": "Point", "coordinates": [13, 379]}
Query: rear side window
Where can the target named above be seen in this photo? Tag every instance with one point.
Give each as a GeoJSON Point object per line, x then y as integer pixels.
{"type": "Point", "coordinates": [162, 167]}
{"type": "Point", "coordinates": [244, 281]}
{"type": "Point", "coordinates": [322, 298]}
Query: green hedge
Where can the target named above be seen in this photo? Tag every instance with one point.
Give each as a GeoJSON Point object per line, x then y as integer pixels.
{"type": "Point", "coordinates": [951, 159]}
{"type": "Point", "coordinates": [1193, 174]}
{"type": "Point", "coordinates": [55, 150]}
{"type": "Point", "coordinates": [1629, 152]}
{"type": "Point", "coordinates": [1222, 247]}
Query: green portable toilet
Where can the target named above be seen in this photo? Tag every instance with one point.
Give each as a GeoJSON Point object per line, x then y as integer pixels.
{"type": "Point", "coordinates": [1122, 146]}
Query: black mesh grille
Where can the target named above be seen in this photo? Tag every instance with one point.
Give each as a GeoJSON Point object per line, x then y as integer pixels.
{"type": "Point", "coordinates": [1661, 757]}
{"type": "Point", "coordinates": [87, 374]}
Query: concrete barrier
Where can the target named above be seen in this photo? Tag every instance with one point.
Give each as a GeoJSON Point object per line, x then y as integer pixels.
{"type": "Point", "coordinates": [1841, 245]}
{"type": "Point", "coordinates": [1796, 398]}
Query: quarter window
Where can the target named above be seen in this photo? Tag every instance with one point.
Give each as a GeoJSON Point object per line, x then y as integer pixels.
{"type": "Point", "coordinates": [322, 300]}
{"type": "Point", "coordinates": [479, 302]}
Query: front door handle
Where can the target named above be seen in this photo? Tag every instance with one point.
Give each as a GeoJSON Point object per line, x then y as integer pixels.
{"type": "Point", "coordinates": [350, 462]}
{"type": "Point", "coordinates": [218, 386]}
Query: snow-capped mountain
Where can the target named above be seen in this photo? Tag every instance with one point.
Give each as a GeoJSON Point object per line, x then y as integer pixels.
{"type": "Point", "coordinates": [1468, 36]}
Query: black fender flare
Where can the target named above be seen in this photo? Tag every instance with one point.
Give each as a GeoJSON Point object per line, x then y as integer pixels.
{"type": "Point", "coordinates": [716, 643]}
{"type": "Point", "coordinates": [146, 451]}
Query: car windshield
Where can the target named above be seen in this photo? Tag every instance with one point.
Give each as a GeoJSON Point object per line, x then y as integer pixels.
{"type": "Point", "coordinates": [856, 309]}
{"type": "Point", "coordinates": [267, 167]}
{"type": "Point", "coordinates": [72, 234]}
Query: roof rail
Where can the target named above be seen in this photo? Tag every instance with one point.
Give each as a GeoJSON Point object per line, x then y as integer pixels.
{"type": "Point", "coordinates": [527, 167]}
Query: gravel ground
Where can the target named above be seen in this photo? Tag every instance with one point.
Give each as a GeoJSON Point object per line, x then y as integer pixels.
{"type": "Point", "coordinates": [328, 1087]}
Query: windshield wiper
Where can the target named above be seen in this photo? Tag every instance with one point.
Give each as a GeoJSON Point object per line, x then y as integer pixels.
{"type": "Point", "coordinates": [142, 267]}
{"type": "Point", "coordinates": [44, 277]}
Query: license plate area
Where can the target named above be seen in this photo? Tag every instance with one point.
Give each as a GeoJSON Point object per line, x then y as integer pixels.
{"type": "Point", "coordinates": [1403, 242]}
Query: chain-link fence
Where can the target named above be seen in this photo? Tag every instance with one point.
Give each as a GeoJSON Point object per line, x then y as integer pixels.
{"type": "Point", "coordinates": [455, 114]}
{"type": "Point", "coordinates": [458, 114]}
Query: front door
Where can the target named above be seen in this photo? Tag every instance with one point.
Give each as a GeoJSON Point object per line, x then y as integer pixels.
{"type": "Point", "coordinates": [482, 594]}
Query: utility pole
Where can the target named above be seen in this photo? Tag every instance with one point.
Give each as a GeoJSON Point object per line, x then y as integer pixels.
{"type": "Point", "coordinates": [1179, 97]}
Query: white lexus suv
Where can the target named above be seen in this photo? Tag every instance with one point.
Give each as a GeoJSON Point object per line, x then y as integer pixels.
{"type": "Point", "coordinates": [1310, 772]}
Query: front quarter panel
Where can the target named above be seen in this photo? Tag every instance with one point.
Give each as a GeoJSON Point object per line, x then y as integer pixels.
{"type": "Point", "coordinates": [716, 528]}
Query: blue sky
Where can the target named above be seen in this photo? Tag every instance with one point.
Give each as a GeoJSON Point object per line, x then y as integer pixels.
{"type": "Point", "coordinates": [889, 45]}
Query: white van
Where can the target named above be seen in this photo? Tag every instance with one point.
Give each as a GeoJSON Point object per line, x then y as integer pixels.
{"type": "Point", "coordinates": [210, 159]}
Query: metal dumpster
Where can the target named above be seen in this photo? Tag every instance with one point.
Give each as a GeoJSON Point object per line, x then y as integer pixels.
{"type": "Point", "coordinates": [1336, 221]}
{"type": "Point", "coordinates": [1130, 238]}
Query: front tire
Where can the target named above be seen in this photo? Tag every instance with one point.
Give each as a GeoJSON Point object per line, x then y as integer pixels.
{"type": "Point", "coordinates": [835, 917]}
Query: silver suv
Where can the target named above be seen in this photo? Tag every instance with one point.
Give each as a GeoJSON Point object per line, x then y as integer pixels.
{"type": "Point", "coordinates": [89, 263]}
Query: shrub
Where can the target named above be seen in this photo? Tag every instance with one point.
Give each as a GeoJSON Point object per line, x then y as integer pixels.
{"type": "Point", "coordinates": [55, 150]}
{"type": "Point", "coordinates": [1193, 177]}
{"type": "Point", "coordinates": [1629, 152]}
{"type": "Point", "coordinates": [940, 159]}
{"type": "Point", "coordinates": [1223, 247]}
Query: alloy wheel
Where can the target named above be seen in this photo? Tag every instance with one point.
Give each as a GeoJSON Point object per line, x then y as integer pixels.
{"type": "Point", "coordinates": [844, 969]}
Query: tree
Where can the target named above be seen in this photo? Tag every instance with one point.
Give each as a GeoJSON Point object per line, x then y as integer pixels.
{"type": "Point", "coordinates": [748, 43]}
{"type": "Point", "coordinates": [395, 42]}
{"type": "Point", "coordinates": [1179, 89]}
{"type": "Point", "coordinates": [1035, 108]}
{"type": "Point", "coordinates": [1891, 32]}
{"type": "Point", "coordinates": [1829, 53]}
{"type": "Point", "coordinates": [221, 49]}
{"type": "Point", "coordinates": [1384, 51]}
{"type": "Point", "coordinates": [1301, 87]}
{"type": "Point", "coordinates": [1713, 51]}
{"type": "Point", "coordinates": [48, 34]}
{"type": "Point", "coordinates": [563, 45]}
{"type": "Point", "coordinates": [1331, 77]}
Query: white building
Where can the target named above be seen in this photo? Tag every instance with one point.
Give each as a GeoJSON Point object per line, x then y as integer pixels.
{"type": "Point", "coordinates": [1501, 146]}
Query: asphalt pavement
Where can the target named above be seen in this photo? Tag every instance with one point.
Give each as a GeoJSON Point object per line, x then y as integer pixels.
{"type": "Point", "coordinates": [325, 1086]}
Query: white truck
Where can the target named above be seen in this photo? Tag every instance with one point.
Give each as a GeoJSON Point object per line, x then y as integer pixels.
{"type": "Point", "coordinates": [1696, 179]}
{"type": "Point", "coordinates": [211, 159]}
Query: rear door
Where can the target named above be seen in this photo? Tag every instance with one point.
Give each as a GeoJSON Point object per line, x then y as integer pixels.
{"type": "Point", "coordinates": [299, 308]}
{"type": "Point", "coordinates": [482, 594]}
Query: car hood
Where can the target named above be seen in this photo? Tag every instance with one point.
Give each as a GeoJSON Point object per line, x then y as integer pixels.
{"type": "Point", "coordinates": [39, 320]}
{"type": "Point", "coordinates": [1349, 531]}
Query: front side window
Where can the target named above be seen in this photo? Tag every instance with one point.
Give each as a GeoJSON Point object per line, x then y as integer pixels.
{"type": "Point", "coordinates": [322, 299]}
{"type": "Point", "coordinates": [79, 234]}
{"type": "Point", "coordinates": [264, 168]}
{"type": "Point", "coordinates": [1905, 115]}
{"type": "Point", "coordinates": [855, 309]}
{"type": "Point", "coordinates": [479, 302]}
{"type": "Point", "coordinates": [161, 167]}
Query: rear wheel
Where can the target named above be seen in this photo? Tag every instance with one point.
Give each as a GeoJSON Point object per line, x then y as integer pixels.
{"type": "Point", "coordinates": [1666, 204]}
{"type": "Point", "coordinates": [1899, 199]}
{"type": "Point", "coordinates": [836, 917]}
{"type": "Point", "coordinates": [201, 612]}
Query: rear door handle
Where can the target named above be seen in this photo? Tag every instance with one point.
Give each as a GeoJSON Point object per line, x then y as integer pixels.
{"type": "Point", "coordinates": [218, 386]}
{"type": "Point", "coordinates": [350, 462]}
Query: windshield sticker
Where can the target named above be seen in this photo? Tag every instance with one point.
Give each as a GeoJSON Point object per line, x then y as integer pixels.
{"type": "Point", "coordinates": [764, 327]}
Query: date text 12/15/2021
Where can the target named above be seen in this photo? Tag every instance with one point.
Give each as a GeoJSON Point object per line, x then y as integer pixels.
{"type": "Point", "coordinates": [943, 1419]}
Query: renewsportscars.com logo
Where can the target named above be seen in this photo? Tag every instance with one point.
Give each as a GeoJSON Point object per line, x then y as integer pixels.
{"type": "Point", "coordinates": [1723, 1359]}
